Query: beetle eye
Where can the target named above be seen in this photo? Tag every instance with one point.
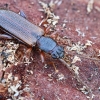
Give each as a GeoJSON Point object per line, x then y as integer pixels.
{"type": "Point", "coordinates": [60, 48]}
{"type": "Point", "coordinates": [54, 56]}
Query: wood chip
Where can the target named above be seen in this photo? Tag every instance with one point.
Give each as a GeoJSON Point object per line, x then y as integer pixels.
{"type": "Point", "coordinates": [90, 6]}
{"type": "Point", "coordinates": [76, 59]}
{"type": "Point", "coordinates": [97, 8]}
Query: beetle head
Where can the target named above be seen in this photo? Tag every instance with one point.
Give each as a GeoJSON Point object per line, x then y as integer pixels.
{"type": "Point", "coordinates": [57, 52]}
{"type": "Point", "coordinates": [50, 46]}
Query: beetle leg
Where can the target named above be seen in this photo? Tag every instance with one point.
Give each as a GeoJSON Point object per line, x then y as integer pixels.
{"type": "Point", "coordinates": [5, 36]}
{"type": "Point", "coordinates": [2, 77]}
{"type": "Point", "coordinates": [47, 30]}
{"type": "Point", "coordinates": [21, 13]}
{"type": "Point", "coordinates": [42, 55]}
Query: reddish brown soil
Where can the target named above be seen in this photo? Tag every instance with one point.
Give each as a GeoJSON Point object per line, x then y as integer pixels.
{"type": "Point", "coordinates": [44, 87]}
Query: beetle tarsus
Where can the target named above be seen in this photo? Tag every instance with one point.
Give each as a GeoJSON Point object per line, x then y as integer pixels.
{"type": "Point", "coordinates": [21, 13]}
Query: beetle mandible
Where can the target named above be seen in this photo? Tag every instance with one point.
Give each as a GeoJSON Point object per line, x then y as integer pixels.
{"type": "Point", "coordinates": [23, 30]}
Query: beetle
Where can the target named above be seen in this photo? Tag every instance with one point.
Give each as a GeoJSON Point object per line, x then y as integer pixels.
{"type": "Point", "coordinates": [23, 30]}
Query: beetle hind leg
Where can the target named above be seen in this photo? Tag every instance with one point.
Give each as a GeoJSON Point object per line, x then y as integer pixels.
{"type": "Point", "coordinates": [5, 36]}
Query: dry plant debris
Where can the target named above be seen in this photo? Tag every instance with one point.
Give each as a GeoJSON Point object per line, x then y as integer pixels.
{"type": "Point", "coordinates": [10, 83]}
{"type": "Point", "coordinates": [97, 8]}
{"type": "Point", "coordinates": [51, 18]}
{"type": "Point", "coordinates": [90, 6]}
{"type": "Point", "coordinates": [61, 77]}
{"type": "Point", "coordinates": [76, 59]}
{"type": "Point", "coordinates": [79, 47]}
{"type": "Point", "coordinates": [79, 32]}
{"type": "Point", "coordinates": [8, 53]}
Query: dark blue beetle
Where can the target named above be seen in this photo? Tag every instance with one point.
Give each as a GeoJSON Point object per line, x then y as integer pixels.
{"type": "Point", "coordinates": [26, 32]}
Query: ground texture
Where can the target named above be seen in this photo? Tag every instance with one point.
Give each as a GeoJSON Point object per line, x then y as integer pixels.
{"type": "Point", "coordinates": [77, 30]}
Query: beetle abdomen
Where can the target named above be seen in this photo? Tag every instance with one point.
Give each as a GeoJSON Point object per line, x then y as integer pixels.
{"type": "Point", "coordinates": [20, 28]}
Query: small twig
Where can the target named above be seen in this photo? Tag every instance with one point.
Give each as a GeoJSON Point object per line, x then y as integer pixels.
{"type": "Point", "coordinates": [87, 57]}
{"type": "Point", "coordinates": [77, 77]}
